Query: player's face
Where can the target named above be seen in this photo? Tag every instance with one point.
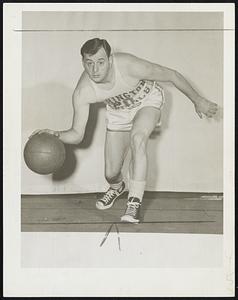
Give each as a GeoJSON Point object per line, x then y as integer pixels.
{"type": "Point", "coordinates": [97, 65]}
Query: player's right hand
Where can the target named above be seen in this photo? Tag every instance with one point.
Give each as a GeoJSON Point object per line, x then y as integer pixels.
{"type": "Point", "coordinates": [39, 131]}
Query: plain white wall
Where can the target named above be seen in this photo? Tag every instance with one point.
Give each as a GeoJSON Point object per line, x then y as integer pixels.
{"type": "Point", "coordinates": [187, 153]}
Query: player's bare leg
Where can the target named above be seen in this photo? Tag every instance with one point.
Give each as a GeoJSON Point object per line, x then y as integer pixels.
{"type": "Point", "coordinates": [143, 125]}
{"type": "Point", "coordinates": [116, 148]}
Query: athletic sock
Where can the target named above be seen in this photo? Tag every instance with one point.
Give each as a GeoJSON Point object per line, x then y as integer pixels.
{"type": "Point", "coordinates": [116, 186]}
{"type": "Point", "coordinates": [136, 189]}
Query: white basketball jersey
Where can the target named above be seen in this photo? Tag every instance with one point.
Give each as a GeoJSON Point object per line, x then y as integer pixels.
{"type": "Point", "coordinates": [122, 96]}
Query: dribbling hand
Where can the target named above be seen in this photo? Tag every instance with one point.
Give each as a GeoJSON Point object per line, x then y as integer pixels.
{"type": "Point", "coordinates": [49, 131]}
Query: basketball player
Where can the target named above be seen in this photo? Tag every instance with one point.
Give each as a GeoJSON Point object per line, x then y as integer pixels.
{"type": "Point", "coordinates": [134, 100]}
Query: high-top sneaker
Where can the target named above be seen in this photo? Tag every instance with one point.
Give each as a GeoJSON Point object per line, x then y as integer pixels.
{"type": "Point", "coordinates": [132, 213]}
{"type": "Point", "coordinates": [109, 197]}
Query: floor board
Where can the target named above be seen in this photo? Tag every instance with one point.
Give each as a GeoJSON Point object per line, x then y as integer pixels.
{"type": "Point", "coordinates": [161, 212]}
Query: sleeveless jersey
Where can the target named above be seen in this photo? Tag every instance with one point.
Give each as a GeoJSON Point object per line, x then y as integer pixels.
{"type": "Point", "coordinates": [122, 96]}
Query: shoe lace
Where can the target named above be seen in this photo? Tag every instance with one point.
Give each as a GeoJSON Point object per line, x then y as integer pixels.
{"type": "Point", "coordinates": [108, 196]}
{"type": "Point", "coordinates": [132, 208]}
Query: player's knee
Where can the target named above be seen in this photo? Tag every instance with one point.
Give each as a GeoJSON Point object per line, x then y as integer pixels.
{"type": "Point", "coordinates": [138, 141]}
{"type": "Point", "coordinates": [112, 176]}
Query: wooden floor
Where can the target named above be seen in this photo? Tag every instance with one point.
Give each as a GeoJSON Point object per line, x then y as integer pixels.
{"type": "Point", "coordinates": [166, 212]}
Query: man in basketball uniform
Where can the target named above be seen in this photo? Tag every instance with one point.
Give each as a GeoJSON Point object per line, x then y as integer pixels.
{"type": "Point", "coordinates": [134, 100]}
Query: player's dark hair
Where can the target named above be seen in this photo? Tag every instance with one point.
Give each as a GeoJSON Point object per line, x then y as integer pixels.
{"type": "Point", "coordinates": [92, 46]}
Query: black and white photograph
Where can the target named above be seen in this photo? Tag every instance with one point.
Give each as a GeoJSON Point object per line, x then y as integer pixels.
{"type": "Point", "coordinates": [119, 144]}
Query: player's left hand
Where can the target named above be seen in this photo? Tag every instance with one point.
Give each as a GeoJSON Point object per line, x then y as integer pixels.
{"type": "Point", "coordinates": [205, 107]}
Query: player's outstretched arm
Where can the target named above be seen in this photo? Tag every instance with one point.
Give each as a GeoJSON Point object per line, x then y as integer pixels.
{"type": "Point", "coordinates": [143, 69]}
{"type": "Point", "coordinates": [202, 106]}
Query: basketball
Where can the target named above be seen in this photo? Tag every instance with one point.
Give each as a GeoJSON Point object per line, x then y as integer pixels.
{"type": "Point", "coordinates": [44, 153]}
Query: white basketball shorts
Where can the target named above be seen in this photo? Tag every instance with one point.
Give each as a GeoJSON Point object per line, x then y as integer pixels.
{"type": "Point", "coordinates": [122, 119]}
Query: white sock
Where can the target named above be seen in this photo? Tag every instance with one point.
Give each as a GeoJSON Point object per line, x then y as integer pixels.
{"type": "Point", "coordinates": [136, 189]}
{"type": "Point", "coordinates": [116, 186]}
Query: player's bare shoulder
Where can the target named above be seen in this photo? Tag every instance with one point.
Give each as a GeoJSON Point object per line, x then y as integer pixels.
{"type": "Point", "coordinates": [84, 92]}
{"type": "Point", "coordinates": [127, 63]}
{"type": "Point", "coordinates": [123, 59]}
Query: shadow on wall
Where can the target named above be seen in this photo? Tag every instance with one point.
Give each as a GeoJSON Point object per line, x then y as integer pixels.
{"type": "Point", "coordinates": [70, 161]}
